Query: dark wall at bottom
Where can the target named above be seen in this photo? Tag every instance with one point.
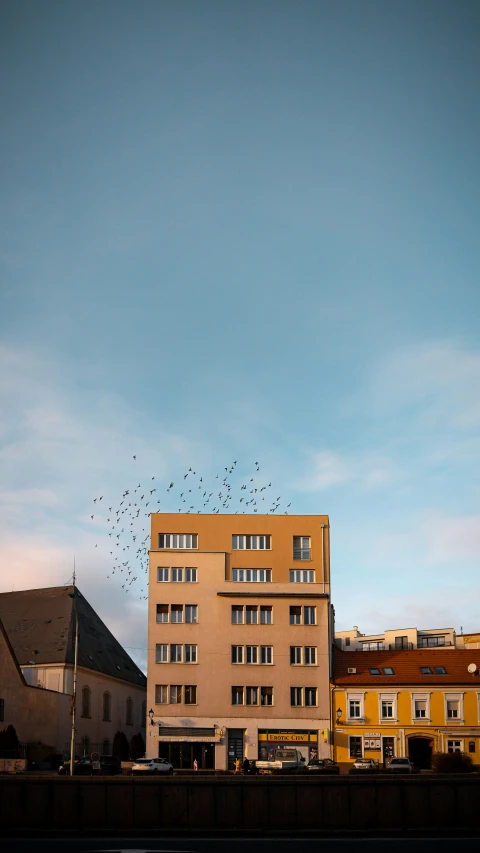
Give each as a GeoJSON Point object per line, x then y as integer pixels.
{"type": "Point", "coordinates": [238, 804]}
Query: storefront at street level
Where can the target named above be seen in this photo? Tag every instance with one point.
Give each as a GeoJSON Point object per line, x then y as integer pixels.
{"type": "Point", "coordinates": [271, 739]}
{"type": "Point", "coordinates": [182, 746]}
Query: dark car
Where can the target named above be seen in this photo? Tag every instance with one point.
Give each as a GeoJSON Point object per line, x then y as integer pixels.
{"type": "Point", "coordinates": [109, 766]}
{"type": "Point", "coordinates": [322, 765]}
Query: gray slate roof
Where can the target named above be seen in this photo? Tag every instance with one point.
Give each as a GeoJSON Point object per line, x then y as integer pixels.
{"type": "Point", "coordinates": [40, 624]}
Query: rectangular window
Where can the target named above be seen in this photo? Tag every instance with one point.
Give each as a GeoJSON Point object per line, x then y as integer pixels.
{"type": "Point", "coordinates": [355, 747]}
{"type": "Point", "coordinates": [250, 542]}
{"type": "Point", "coordinates": [310, 655]}
{"type": "Point", "coordinates": [454, 746]}
{"type": "Point", "coordinates": [425, 670]}
{"type": "Point", "coordinates": [388, 670]}
{"type": "Point", "coordinates": [401, 642]}
{"type": "Point", "coordinates": [176, 651]}
{"type": "Point", "coordinates": [295, 655]}
{"type": "Point", "coordinates": [310, 696]}
{"type": "Point", "coordinates": [301, 548]}
{"type": "Point", "coordinates": [266, 654]}
{"type": "Point", "coordinates": [161, 653]}
{"type": "Point", "coordinates": [440, 670]}
{"type": "Point", "coordinates": [295, 615]}
{"type": "Point", "coordinates": [251, 654]}
{"type": "Point", "coordinates": [175, 694]}
{"type": "Point", "coordinates": [237, 654]}
{"type": "Point", "coordinates": [452, 709]}
{"type": "Point", "coordinates": [176, 613]}
{"type": "Point", "coordinates": [387, 709]}
{"type": "Point", "coordinates": [302, 576]}
{"type": "Point", "coordinates": [252, 695]}
{"type": "Point", "coordinates": [190, 653]}
{"type": "Point", "coordinates": [190, 694]}
{"type": "Point", "coordinates": [420, 708]}
{"type": "Point", "coordinates": [266, 695]}
{"type": "Point", "coordinates": [374, 670]}
{"type": "Point", "coordinates": [177, 575]}
{"type": "Point", "coordinates": [354, 709]}
{"type": "Point", "coordinates": [237, 695]}
{"type": "Point", "coordinates": [266, 615]}
{"type": "Point", "coordinates": [347, 641]}
{"type": "Point", "coordinates": [162, 575]}
{"type": "Point", "coordinates": [190, 575]}
{"type": "Point", "coordinates": [177, 540]}
{"type": "Point", "coordinates": [162, 612]}
{"type": "Point", "coordinates": [237, 614]}
{"type": "Point", "coordinates": [431, 642]}
{"type": "Point", "coordinates": [161, 694]}
{"type": "Point", "coordinates": [252, 575]}
{"type": "Point", "coordinates": [295, 696]}
{"type": "Point", "coordinates": [252, 614]}
{"type": "Point", "coordinates": [376, 646]}
{"type": "Point", "coordinates": [309, 615]}
{"type": "Point", "coordinates": [191, 613]}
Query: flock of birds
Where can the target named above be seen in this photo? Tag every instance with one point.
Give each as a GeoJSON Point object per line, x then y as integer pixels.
{"type": "Point", "coordinates": [127, 520]}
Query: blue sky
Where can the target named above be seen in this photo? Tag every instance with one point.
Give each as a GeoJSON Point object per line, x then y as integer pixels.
{"type": "Point", "coordinates": [245, 231]}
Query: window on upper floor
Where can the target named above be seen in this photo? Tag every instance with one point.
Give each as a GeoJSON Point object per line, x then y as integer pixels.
{"type": "Point", "coordinates": [177, 575]}
{"type": "Point", "coordinates": [301, 548]}
{"type": "Point", "coordinates": [251, 575]}
{"type": "Point", "coordinates": [162, 574]}
{"type": "Point", "coordinates": [190, 653]}
{"type": "Point", "coordinates": [251, 654]}
{"type": "Point", "coordinates": [175, 694]}
{"type": "Point", "coordinates": [237, 654]}
{"type": "Point", "coordinates": [302, 576]}
{"type": "Point", "coordinates": [237, 695]}
{"type": "Point", "coordinates": [176, 653]}
{"type": "Point", "coordinates": [251, 695]}
{"type": "Point", "coordinates": [161, 694]}
{"type": "Point", "coordinates": [310, 655]}
{"type": "Point", "coordinates": [86, 701]}
{"type": "Point", "coordinates": [401, 642]}
{"type": "Point", "coordinates": [440, 670]}
{"type": "Point", "coordinates": [191, 613]}
{"type": "Point", "coordinates": [177, 540]}
{"type": "Point", "coordinates": [162, 612]}
{"type": "Point", "coordinates": [251, 614]}
{"type": "Point", "coordinates": [295, 655]}
{"type": "Point", "coordinates": [374, 670]}
{"type": "Point", "coordinates": [250, 542]}
{"type": "Point", "coordinates": [266, 654]}
{"type": "Point", "coordinates": [374, 646]}
{"type": "Point", "coordinates": [309, 615]}
{"type": "Point", "coordinates": [388, 670]}
{"type": "Point", "coordinates": [107, 707]}
{"type": "Point", "coordinates": [237, 614]}
{"type": "Point", "coordinates": [295, 615]}
{"type": "Point", "coordinates": [190, 575]}
{"type": "Point", "coordinates": [176, 613]}
{"type": "Point", "coordinates": [425, 670]}
{"type": "Point", "coordinates": [266, 614]}
{"type": "Point", "coordinates": [430, 642]}
{"type": "Point", "coordinates": [190, 694]}
{"type": "Point", "coordinates": [420, 707]}
{"type": "Point", "coordinates": [387, 709]}
{"type": "Point", "coordinates": [453, 706]}
{"type": "Point", "coordinates": [354, 709]}
{"type": "Point", "coordinates": [266, 695]}
{"type": "Point", "coordinates": [129, 711]}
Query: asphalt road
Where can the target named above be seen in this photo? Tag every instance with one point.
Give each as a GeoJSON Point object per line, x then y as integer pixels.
{"type": "Point", "coordinates": [235, 845]}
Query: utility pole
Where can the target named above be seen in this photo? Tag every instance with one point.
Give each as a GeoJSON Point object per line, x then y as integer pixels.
{"type": "Point", "coordinates": [75, 660]}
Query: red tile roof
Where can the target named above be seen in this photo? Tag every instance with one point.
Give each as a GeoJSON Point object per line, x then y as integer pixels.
{"type": "Point", "coordinates": [406, 666]}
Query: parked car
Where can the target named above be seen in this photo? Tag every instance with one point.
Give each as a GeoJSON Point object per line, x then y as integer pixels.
{"type": "Point", "coordinates": [152, 765]}
{"type": "Point", "coordinates": [322, 765]}
{"type": "Point", "coordinates": [365, 764]}
{"type": "Point", "coordinates": [109, 766]}
{"type": "Point", "coordinates": [401, 765]}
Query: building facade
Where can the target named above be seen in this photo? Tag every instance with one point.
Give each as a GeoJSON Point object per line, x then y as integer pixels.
{"type": "Point", "coordinates": [398, 638]}
{"type": "Point", "coordinates": [406, 703]}
{"type": "Point", "coordinates": [111, 689]}
{"type": "Point", "coordinates": [239, 637]}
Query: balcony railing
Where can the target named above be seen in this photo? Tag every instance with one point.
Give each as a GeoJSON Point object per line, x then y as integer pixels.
{"type": "Point", "coordinates": [302, 553]}
{"type": "Point", "coordinates": [400, 646]}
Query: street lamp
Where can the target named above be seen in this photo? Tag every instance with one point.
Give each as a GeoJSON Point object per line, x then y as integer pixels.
{"type": "Point", "coordinates": [150, 714]}
{"type": "Point", "coordinates": [339, 714]}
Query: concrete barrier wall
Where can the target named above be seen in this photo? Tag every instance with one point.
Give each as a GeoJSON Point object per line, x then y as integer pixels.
{"type": "Point", "coordinates": [238, 804]}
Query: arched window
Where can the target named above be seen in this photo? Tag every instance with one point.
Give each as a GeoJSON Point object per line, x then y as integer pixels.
{"type": "Point", "coordinates": [144, 713]}
{"type": "Point", "coordinates": [86, 696]}
{"type": "Point", "coordinates": [107, 703]}
{"type": "Point", "coordinates": [106, 747]}
{"type": "Point", "coordinates": [129, 713]}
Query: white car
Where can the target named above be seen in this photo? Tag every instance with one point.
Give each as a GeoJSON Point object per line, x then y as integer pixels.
{"type": "Point", "coordinates": [152, 765]}
{"type": "Point", "coordinates": [365, 764]}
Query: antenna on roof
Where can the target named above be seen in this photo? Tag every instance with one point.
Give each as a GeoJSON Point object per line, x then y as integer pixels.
{"type": "Point", "coordinates": [74, 575]}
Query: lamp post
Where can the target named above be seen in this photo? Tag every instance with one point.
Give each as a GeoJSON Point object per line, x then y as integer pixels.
{"type": "Point", "coordinates": [150, 714]}
{"type": "Point", "coordinates": [338, 715]}
{"type": "Point", "coordinates": [74, 696]}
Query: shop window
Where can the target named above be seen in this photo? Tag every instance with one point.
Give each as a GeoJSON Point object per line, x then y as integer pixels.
{"type": "Point", "coordinates": [355, 746]}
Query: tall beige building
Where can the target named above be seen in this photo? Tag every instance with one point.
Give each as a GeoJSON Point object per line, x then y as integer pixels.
{"type": "Point", "coordinates": [240, 637]}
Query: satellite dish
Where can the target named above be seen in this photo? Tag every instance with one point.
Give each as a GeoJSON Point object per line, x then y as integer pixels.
{"type": "Point", "coordinates": [472, 667]}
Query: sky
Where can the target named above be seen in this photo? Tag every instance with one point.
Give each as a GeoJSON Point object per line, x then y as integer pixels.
{"type": "Point", "coordinates": [244, 231]}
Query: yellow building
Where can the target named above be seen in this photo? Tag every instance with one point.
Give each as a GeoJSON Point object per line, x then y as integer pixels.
{"type": "Point", "coordinates": [405, 703]}
{"type": "Point", "coordinates": [239, 636]}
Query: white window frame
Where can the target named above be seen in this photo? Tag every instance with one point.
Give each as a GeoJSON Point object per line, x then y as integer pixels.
{"type": "Point", "coordinates": [393, 699]}
{"type": "Point", "coordinates": [302, 575]}
{"type": "Point", "coordinates": [297, 607]}
{"type": "Point", "coordinates": [298, 651]}
{"type": "Point", "coordinates": [171, 541]}
{"type": "Point", "coordinates": [193, 654]}
{"type": "Point", "coordinates": [178, 611]}
{"type": "Point", "coordinates": [356, 697]}
{"type": "Point", "coordinates": [421, 697]}
{"type": "Point", "coordinates": [191, 687]}
{"type": "Point", "coordinates": [189, 613]}
{"type": "Point", "coordinates": [268, 610]}
{"type": "Point", "coordinates": [237, 687]}
{"type": "Point", "coordinates": [309, 607]}
{"type": "Point", "coordinates": [238, 653]}
{"type": "Point", "coordinates": [298, 695]}
{"type": "Point", "coordinates": [251, 687]}
{"type": "Point", "coordinates": [167, 614]}
{"type": "Point", "coordinates": [251, 542]}
{"type": "Point", "coordinates": [177, 574]}
{"type": "Point", "coordinates": [164, 647]}
{"type": "Point", "coordinates": [307, 652]}
{"type": "Point", "coordinates": [310, 704]}
{"type": "Point", "coordinates": [452, 740]}
{"type": "Point", "coordinates": [163, 691]}
{"type": "Point", "coordinates": [251, 609]}
{"type": "Point", "coordinates": [237, 609]}
{"type": "Point", "coordinates": [176, 646]}
{"type": "Point", "coordinates": [301, 548]}
{"type": "Point", "coordinates": [251, 575]}
{"type": "Point", "coordinates": [267, 704]}
{"type": "Point", "coordinates": [266, 652]}
{"type": "Point", "coordinates": [193, 574]}
{"type": "Point", "coordinates": [454, 697]}
{"type": "Point", "coordinates": [165, 571]}
{"type": "Point", "coordinates": [252, 652]}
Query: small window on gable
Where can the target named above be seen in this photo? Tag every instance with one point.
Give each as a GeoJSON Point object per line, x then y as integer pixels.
{"type": "Point", "coordinates": [425, 670]}
{"type": "Point", "coordinates": [374, 670]}
{"type": "Point", "coordinates": [440, 670]}
{"type": "Point", "coordinates": [388, 670]}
